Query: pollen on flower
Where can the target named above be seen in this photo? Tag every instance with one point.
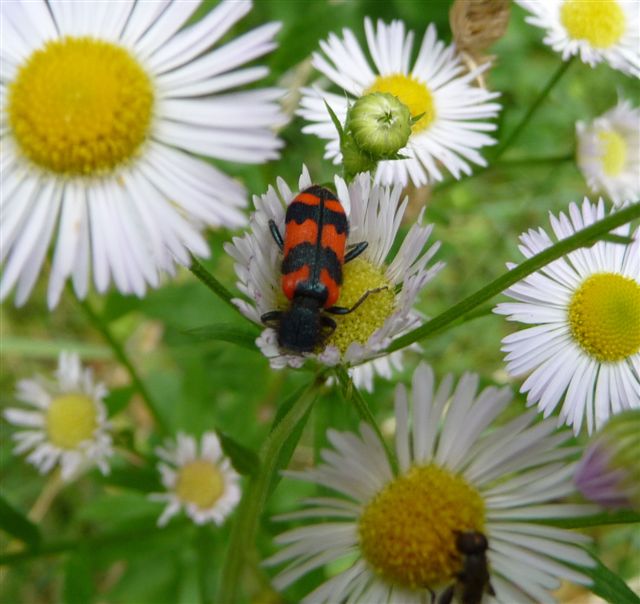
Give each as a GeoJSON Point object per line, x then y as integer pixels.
{"type": "Point", "coordinates": [71, 419]}
{"type": "Point", "coordinates": [200, 482]}
{"type": "Point", "coordinates": [80, 106]}
{"type": "Point", "coordinates": [413, 93]}
{"type": "Point", "coordinates": [359, 277]}
{"type": "Point", "coordinates": [614, 152]}
{"type": "Point", "coordinates": [408, 531]}
{"type": "Point", "coordinates": [604, 316]}
{"type": "Point", "coordinates": [599, 22]}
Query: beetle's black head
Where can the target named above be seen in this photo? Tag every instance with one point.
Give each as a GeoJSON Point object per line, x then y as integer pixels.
{"type": "Point", "coordinates": [300, 328]}
{"type": "Point", "coordinates": [471, 543]}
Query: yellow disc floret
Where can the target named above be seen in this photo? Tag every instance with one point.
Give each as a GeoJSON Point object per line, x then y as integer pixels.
{"type": "Point", "coordinates": [71, 419]}
{"type": "Point", "coordinates": [200, 482]}
{"type": "Point", "coordinates": [359, 277]}
{"type": "Point", "coordinates": [413, 93]}
{"type": "Point", "coordinates": [408, 531]}
{"type": "Point", "coordinates": [80, 106]}
{"type": "Point", "coordinates": [614, 152]}
{"type": "Point", "coordinates": [600, 22]}
{"type": "Point", "coordinates": [604, 316]}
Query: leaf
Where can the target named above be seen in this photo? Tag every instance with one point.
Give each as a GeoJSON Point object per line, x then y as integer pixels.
{"type": "Point", "coordinates": [78, 582]}
{"type": "Point", "coordinates": [18, 525]}
{"type": "Point", "coordinates": [608, 585]}
{"type": "Point", "coordinates": [118, 399]}
{"type": "Point", "coordinates": [613, 238]}
{"type": "Point", "coordinates": [243, 459]}
{"type": "Point", "coordinates": [226, 332]}
{"type": "Point", "coordinates": [335, 120]}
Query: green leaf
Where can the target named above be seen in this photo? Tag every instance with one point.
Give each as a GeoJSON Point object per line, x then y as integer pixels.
{"type": "Point", "coordinates": [608, 585]}
{"type": "Point", "coordinates": [244, 460]}
{"type": "Point", "coordinates": [118, 399]}
{"type": "Point", "coordinates": [18, 525]}
{"type": "Point", "coordinates": [226, 332]}
{"type": "Point", "coordinates": [78, 582]}
{"type": "Point", "coordinates": [335, 120]}
{"type": "Point", "coordinates": [613, 238]}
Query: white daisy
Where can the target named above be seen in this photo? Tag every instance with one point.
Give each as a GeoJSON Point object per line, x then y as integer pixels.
{"type": "Point", "coordinates": [451, 130]}
{"type": "Point", "coordinates": [597, 30]}
{"type": "Point", "coordinates": [68, 426]}
{"type": "Point", "coordinates": [104, 107]}
{"type": "Point", "coordinates": [200, 481]}
{"type": "Point", "coordinates": [374, 215]}
{"type": "Point", "coordinates": [394, 537]}
{"type": "Point", "coordinates": [609, 152]}
{"type": "Point", "coordinates": [584, 348]}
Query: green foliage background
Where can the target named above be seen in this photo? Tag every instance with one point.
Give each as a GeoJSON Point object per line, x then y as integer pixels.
{"type": "Point", "coordinates": [100, 531]}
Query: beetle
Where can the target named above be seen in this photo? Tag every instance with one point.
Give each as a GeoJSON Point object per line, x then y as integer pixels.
{"type": "Point", "coordinates": [473, 580]}
{"type": "Point", "coordinates": [316, 230]}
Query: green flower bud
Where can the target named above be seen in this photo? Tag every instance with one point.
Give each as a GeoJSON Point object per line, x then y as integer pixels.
{"type": "Point", "coordinates": [609, 472]}
{"type": "Point", "coordinates": [380, 125]}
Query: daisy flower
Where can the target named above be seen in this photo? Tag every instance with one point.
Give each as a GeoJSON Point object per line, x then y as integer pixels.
{"type": "Point", "coordinates": [105, 106]}
{"type": "Point", "coordinates": [393, 537]}
{"type": "Point", "coordinates": [584, 344]}
{"type": "Point", "coordinates": [374, 214]}
{"type": "Point", "coordinates": [199, 479]}
{"type": "Point", "coordinates": [597, 30]}
{"type": "Point", "coordinates": [452, 128]}
{"type": "Point", "coordinates": [609, 152]}
{"type": "Point", "coordinates": [67, 422]}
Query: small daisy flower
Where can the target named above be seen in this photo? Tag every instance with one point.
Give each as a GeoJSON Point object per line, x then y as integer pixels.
{"type": "Point", "coordinates": [374, 214]}
{"type": "Point", "coordinates": [394, 537]}
{"type": "Point", "coordinates": [67, 423]}
{"type": "Point", "coordinates": [597, 30]}
{"type": "Point", "coordinates": [105, 106]}
{"type": "Point", "coordinates": [584, 346]}
{"type": "Point", "coordinates": [609, 152]}
{"type": "Point", "coordinates": [452, 128]}
{"type": "Point", "coordinates": [200, 481]}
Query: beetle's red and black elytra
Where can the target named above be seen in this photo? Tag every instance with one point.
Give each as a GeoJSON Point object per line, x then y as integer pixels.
{"type": "Point", "coordinates": [316, 231]}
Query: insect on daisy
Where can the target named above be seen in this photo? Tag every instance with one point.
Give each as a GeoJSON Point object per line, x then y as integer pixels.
{"type": "Point", "coordinates": [597, 30]}
{"type": "Point", "coordinates": [198, 478]}
{"type": "Point", "coordinates": [609, 152]}
{"type": "Point", "coordinates": [451, 129]}
{"type": "Point", "coordinates": [67, 422]}
{"type": "Point", "coordinates": [584, 346]}
{"type": "Point", "coordinates": [105, 106]}
{"type": "Point", "coordinates": [406, 537]}
{"type": "Point", "coordinates": [374, 215]}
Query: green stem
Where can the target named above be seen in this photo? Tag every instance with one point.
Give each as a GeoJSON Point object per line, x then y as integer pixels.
{"type": "Point", "coordinates": [243, 533]}
{"type": "Point", "coordinates": [582, 238]}
{"type": "Point", "coordinates": [351, 392]}
{"type": "Point", "coordinates": [555, 78]}
{"type": "Point", "coordinates": [121, 355]}
{"type": "Point", "coordinates": [212, 283]}
{"type": "Point", "coordinates": [601, 519]}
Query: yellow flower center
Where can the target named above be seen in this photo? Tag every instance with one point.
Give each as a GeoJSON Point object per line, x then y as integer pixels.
{"type": "Point", "coordinates": [80, 106]}
{"type": "Point", "coordinates": [600, 22]}
{"type": "Point", "coordinates": [604, 316]}
{"type": "Point", "coordinates": [413, 93]}
{"type": "Point", "coordinates": [200, 482]}
{"type": "Point", "coordinates": [71, 419]}
{"type": "Point", "coordinates": [359, 277]}
{"type": "Point", "coordinates": [614, 152]}
{"type": "Point", "coordinates": [408, 531]}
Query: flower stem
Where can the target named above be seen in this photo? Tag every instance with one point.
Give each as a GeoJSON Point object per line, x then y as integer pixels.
{"type": "Point", "coordinates": [555, 78]}
{"type": "Point", "coordinates": [121, 355]}
{"type": "Point", "coordinates": [212, 283]}
{"type": "Point", "coordinates": [351, 392]}
{"type": "Point", "coordinates": [582, 238]}
{"type": "Point", "coordinates": [242, 540]}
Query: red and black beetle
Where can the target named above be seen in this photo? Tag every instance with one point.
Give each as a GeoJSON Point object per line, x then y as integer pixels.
{"type": "Point", "coordinates": [314, 252]}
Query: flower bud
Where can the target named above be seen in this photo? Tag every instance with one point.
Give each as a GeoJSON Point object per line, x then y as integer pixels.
{"type": "Point", "coordinates": [609, 472]}
{"type": "Point", "coordinates": [380, 125]}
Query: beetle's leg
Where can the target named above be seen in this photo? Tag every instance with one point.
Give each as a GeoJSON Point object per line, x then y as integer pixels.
{"type": "Point", "coordinates": [490, 589]}
{"type": "Point", "coordinates": [446, 597]}
{"type": "Point", "coordinates": [328, 322]}
{"type": "Point", "coordinates": [355, 251]}
{"type": "Point", "coordinates": [273, 227]}
{"type": "Point", "coordinates": [272, 316]}
{"type": "Point", "coordinates": [341, 310]}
